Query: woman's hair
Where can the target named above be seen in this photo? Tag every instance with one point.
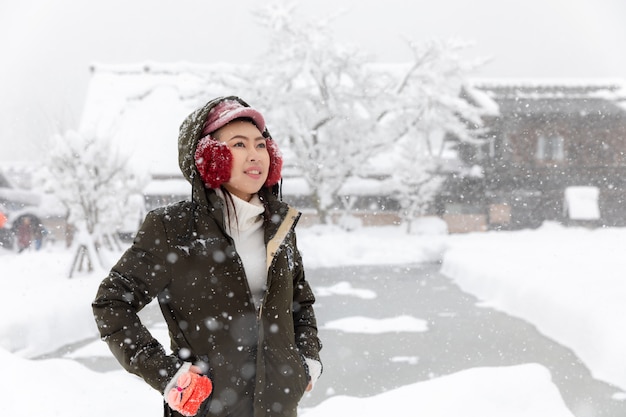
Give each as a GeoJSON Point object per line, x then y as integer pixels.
{"type": "Point", "coordinates": [230, 205]}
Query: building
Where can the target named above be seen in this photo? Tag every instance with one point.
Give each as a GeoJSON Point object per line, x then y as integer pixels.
{"type": "Point", "coordinates": [547, 141]}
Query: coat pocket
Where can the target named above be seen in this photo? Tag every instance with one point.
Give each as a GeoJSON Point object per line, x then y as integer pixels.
{"type": "Point", "coordinates": [287, 377]}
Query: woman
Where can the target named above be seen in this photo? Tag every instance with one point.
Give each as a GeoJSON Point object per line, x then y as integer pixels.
{"type": "Point", "coordinates": [228, 277]}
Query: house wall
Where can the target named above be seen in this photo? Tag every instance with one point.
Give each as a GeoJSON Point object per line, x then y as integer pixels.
{"type": "Point", "coordinates": [594, 154]}
{"type": "Point", "coordinates": [590, 141]}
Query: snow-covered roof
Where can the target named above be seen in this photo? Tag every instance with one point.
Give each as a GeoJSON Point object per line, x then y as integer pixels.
{"type": "Point", "coordinates": [140, 107]}
{"type": "Point", "coordinates": [564, 96]}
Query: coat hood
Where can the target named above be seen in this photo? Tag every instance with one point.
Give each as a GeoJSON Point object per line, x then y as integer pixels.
{"type": "Point", "coordinates": [190, 133]}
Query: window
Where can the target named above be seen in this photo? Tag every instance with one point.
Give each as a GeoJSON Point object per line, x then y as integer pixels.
{"type": "Point", "coordinates": [550, 148]}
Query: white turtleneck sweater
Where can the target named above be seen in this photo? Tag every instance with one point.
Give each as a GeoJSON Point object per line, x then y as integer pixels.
{"type": "Point", "coordinates": [245, 225]}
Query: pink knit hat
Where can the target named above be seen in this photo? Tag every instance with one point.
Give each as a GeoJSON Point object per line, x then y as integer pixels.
{"type": "Point", "coordinates": [227, 111]}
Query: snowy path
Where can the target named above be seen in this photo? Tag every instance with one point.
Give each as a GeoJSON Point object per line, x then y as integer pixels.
{"type": "Point", "coordinates": [460, 335]}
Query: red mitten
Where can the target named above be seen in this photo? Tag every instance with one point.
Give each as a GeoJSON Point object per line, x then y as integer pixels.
{"type": "Point", "coordinates": [190, 392]}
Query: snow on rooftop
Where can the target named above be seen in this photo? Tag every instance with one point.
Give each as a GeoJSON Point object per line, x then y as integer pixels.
{"type": "Point", "coordinates": [549, 82]}
{"type": "Point", "coordinates": [171, 186]}
{"type": "Point", "coordinates": [140, 107]}
{"type": "Point", "coordinates": [610, 89]}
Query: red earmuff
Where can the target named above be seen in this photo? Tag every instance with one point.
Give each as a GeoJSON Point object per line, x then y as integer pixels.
{"type": "Point", "coordinates": [276, 163]}
{"type": "Point", "coordinates": [214, 161]}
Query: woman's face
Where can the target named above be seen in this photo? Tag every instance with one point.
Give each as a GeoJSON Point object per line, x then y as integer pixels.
{"type": "Point", "coordinates": [251, 161]}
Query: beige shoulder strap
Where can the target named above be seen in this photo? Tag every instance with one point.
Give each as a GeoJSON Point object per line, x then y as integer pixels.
{"type": "Point", "coordinates": [283, 230]}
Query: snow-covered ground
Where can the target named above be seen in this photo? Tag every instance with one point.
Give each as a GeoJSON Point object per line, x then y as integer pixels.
{"type": "Point", "coordinates": [566, 281]}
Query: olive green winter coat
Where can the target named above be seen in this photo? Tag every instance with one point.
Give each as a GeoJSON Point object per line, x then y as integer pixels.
{"type": "Point", "coordinates": [183, 257]}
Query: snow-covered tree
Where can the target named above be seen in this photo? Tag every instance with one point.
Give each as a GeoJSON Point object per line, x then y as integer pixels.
{"type": "Point", "coordinates": [430, 107]}
{"type": "Point", "coordinates": [95, 183]}
{"type": "Point", "coordinates": [338, 109]}
{"type": "Point", "coordinates": [322, 99]}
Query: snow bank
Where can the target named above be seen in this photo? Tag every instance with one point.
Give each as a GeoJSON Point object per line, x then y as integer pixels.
{"type": "Point", "coordinates": [324, 246]}
{"type": "Point", "coordinates": [519, 391]}
{"type": "Point", "coordinates": [42, 309]}
{"type": "Point", "coordinates": [567, 282]}
{"type": "Point", "coordinates": [56, 387]}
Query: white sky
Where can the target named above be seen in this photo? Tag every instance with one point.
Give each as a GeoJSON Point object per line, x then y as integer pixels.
{"type": "Point", "coordinates": [46, 47]}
